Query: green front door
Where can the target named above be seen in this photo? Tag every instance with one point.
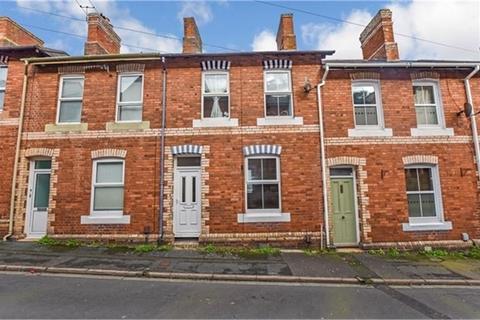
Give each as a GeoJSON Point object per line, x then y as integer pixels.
{"type": "Point", "coordinates": [344, 225]}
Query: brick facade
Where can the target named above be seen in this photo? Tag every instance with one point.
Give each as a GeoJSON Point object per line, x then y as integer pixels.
{"type": "Point", "coordinates": [378, 162]}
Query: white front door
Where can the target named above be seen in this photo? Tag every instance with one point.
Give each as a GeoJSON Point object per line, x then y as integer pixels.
{"type": "Point", "coordinates": [38, 195]}
{"type": "Point", "coordinates": [187, 204]}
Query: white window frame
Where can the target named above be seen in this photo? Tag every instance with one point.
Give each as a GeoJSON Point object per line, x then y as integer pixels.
{"type": "Point", "coordinates": [265, 93]}
{"type": "Point", "coordinates": [106, 213]}
{"type": "Point", "coordinates": [428, 223]}
{"type": "Point", "coordinates": [435, 84]}
{"type": "Point", "coordinates": [378, 99]}
{"type": "Point", "coordinates": [119, 104]}
{"type": "Point", "coordinates": [227, 94]}
{"type": "Point", "coordinates": [4, 89]}
{"type": "Point", "coordinates": [61, 99]}
{"type": "Point", "coordinates": [278, 181]}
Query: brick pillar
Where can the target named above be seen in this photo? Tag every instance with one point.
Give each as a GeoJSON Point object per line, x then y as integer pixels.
{"type": "Point", "coordinates": [286, 39]}
{"type": "Point", "coordinates": [192, 42]}
{"type": "Point", "coordinates": [378, 42]}
{"type": "Point", "coordinates": [101, 39]}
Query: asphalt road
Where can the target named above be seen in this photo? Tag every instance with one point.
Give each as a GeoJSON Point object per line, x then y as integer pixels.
{"type": "Point", "coordinates": [47, 296]}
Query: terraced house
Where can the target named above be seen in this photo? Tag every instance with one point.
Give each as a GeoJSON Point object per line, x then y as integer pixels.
{"type": "Point", "coordinates": [284, 146]}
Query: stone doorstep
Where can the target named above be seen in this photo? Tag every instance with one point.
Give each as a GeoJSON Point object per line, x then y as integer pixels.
{"type": "Point", "coordinates": [226, 277]}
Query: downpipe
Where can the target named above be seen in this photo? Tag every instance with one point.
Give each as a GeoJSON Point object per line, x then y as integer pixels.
{"type": "Point", "coordinates": [472, 117]}
{"type": "Point", "coordinates": [17, 152]}
{"type": "Point", "coordinates": [162, 151]}
{"type": "Point", "coordinates": [323, 156]}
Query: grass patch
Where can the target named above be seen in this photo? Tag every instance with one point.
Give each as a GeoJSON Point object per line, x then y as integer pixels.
{"type": "Point", "coordinates": [112, 247]}
{"type": "Point", "coordinates": [259, 252]}
{"type": "Point", "coordinates": [49, 242]}
{"type": "Point", "coordinates": [472, 253]}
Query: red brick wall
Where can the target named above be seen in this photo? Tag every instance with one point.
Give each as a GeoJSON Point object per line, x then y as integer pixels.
{"type": "Point", "coordinates": [387, 201]}
{"type": "Point", "coordinates": [12, 34]}
{"type": "Point", "coordinates": [8, 136]}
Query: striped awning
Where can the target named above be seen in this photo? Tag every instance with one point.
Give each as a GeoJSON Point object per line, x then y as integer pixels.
{"type": "Point", "coordinates": [259, 149]}
{"type": "Point", "coordinates": [3, 59]}
{"type": "Point", "coordinates": [187, 149]}
{"type": "Point", "coordinates": [277, 64]}
{"type": "Point", "coordinates": [215, 65]}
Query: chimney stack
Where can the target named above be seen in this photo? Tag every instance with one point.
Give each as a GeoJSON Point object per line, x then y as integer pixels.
{"type": "Point", "coordinates": [12, 35]}
{"type": "Point", "coordinates": [101, 39]}
{"type": "Point", "coordinates": [192, 42]}
{"type": "Point", "coordinates": [286, 39]}
{"type": "Point", "coordinates": [377, 39]}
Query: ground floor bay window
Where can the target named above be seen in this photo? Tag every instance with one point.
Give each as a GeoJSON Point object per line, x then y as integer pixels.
{"type": "Point", "coordinates": [425, 210]}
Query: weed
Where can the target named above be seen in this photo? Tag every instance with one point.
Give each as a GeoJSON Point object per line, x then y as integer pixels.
{"type": "Point", "coordinates": [436, 253]}
{"type": "Point", "coordinates": [144, 248]}
{"type": "Point", "coordinates": [241, 252]}
{"type": "Point", "coordinates": [49, 242]}
{"type": "Point", "coordinates": [393, 253]}
{"type": "Point", "coordinates": [164, 247]}
{"type": "Point", "coordinates": [209, 248]}
{"type": "Point", "coordinates": [473, 253]}
{"type": "Point", "coordinates": [72, 243]}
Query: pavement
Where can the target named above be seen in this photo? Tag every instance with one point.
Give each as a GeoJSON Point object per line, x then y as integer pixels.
{"type": "Point", "coordinates": [296, 266]}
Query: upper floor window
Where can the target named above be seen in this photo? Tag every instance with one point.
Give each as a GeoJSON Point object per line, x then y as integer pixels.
{"type": "Point", "coordinates": [263, 184]}
{"type": "Point", "coordinates": [130, 98]}
{"type": "Point", "coordinates": [3, 85]}
{"type": "Point", "coordinates": [278, 93]}
{"type": "Point", "coordinates": [108, 186]}
{"type": "Point", "coordinates": [423, 193]}
{"type": "Point", "coordinates": [427, 104]}
{"type": "Point", "coordinates": [70, 99]}
{"type": "Point", "coordinates": [215, 94]}
{"type": "Point", "coordinates": [366, 104]}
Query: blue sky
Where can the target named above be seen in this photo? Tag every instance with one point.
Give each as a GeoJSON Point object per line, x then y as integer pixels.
{"type": "Point", "coordinates": [248, 25]}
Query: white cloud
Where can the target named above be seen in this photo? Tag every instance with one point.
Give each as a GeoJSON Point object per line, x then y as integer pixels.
{"type": "Point", "coordinates": [342, 38]}
{"type": "Point", "coordinates": [198, 9]}
{"type": "Point", "coordinates": [452, 22]}
{"type": "Point", "coordinates": [264, 41]}
{"type": "Point", "coordinates": [118, 16]}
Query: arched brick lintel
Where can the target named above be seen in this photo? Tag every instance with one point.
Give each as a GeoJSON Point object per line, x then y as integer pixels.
{"type": "Point", "coordinates": [420, 159]}
{"type": "Point", "coordinates": [352, 161]}
{"type": "Point", "coordinates": [109, 153]}
{"type": "Point", "coordinates": [39, 152]}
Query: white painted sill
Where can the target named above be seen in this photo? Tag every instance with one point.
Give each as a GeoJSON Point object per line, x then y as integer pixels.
{"type": "Point", "coordinates": [215, 122]}
{"type": "Point", "coordinates": [105, 220]}
{"type": "Point", "coordinates": [435, 226]}
{"type": "Point", "coordinates": [370, 132]}
{"type": "Point", "coordinates": [279, 121]}
{"type": "Point", "coordinates": [428, 132]}
{"type": "Point", "coordinates": [263, 217]}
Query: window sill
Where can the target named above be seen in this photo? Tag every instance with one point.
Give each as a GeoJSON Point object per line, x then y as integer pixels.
{"type": "Point", "coordinates": [279, 121]}
{"type": "Point", "coordinates": [446, 225]}
{"type": "Point", "coordinates": [66, 127]}
{"type": "Point", "coordinates": [215, 122]}
{"type": "Point", "coordinates": [425, 132]}
{"type": "Point", "coordinates": [263, 217]}
{"type": "Point", "coordinates": [90, 219]}
{"type": "Point", "coordinates": [370, 132]}
{"type": "Point", "coordinates": [125, 126]}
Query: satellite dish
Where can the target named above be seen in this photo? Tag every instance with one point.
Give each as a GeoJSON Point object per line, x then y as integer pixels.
{"type": "Point", "coordinates": [467, 109]}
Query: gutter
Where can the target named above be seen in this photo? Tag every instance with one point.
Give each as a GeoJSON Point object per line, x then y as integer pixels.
{"type": "Point", "coordinates": [468, 91]}
{"type": "Point", "coordinates": [323, 155]}
{"type": "Point", "coordinates": [162, 150]}
{"type": "Point", "coordinates": [17, 152]}
{"type": "Point", "coordinates": [394, 64]}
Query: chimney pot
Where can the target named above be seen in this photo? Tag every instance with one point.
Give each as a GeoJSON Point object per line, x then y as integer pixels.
{"type": "Point", "coordinates": [101, 39]}
{"type": "Point", "coordinates": [286, 39]}
{"type": "Point", "coordinates": [192, 42]}
{"type": "Point", "coordinates": [377, 39]}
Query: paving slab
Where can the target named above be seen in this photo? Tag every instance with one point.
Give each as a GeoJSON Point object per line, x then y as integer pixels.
{"type": "Point", "coordinates": [386, 267]}
{"type": "Point", "coordinates": [324, 265]}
